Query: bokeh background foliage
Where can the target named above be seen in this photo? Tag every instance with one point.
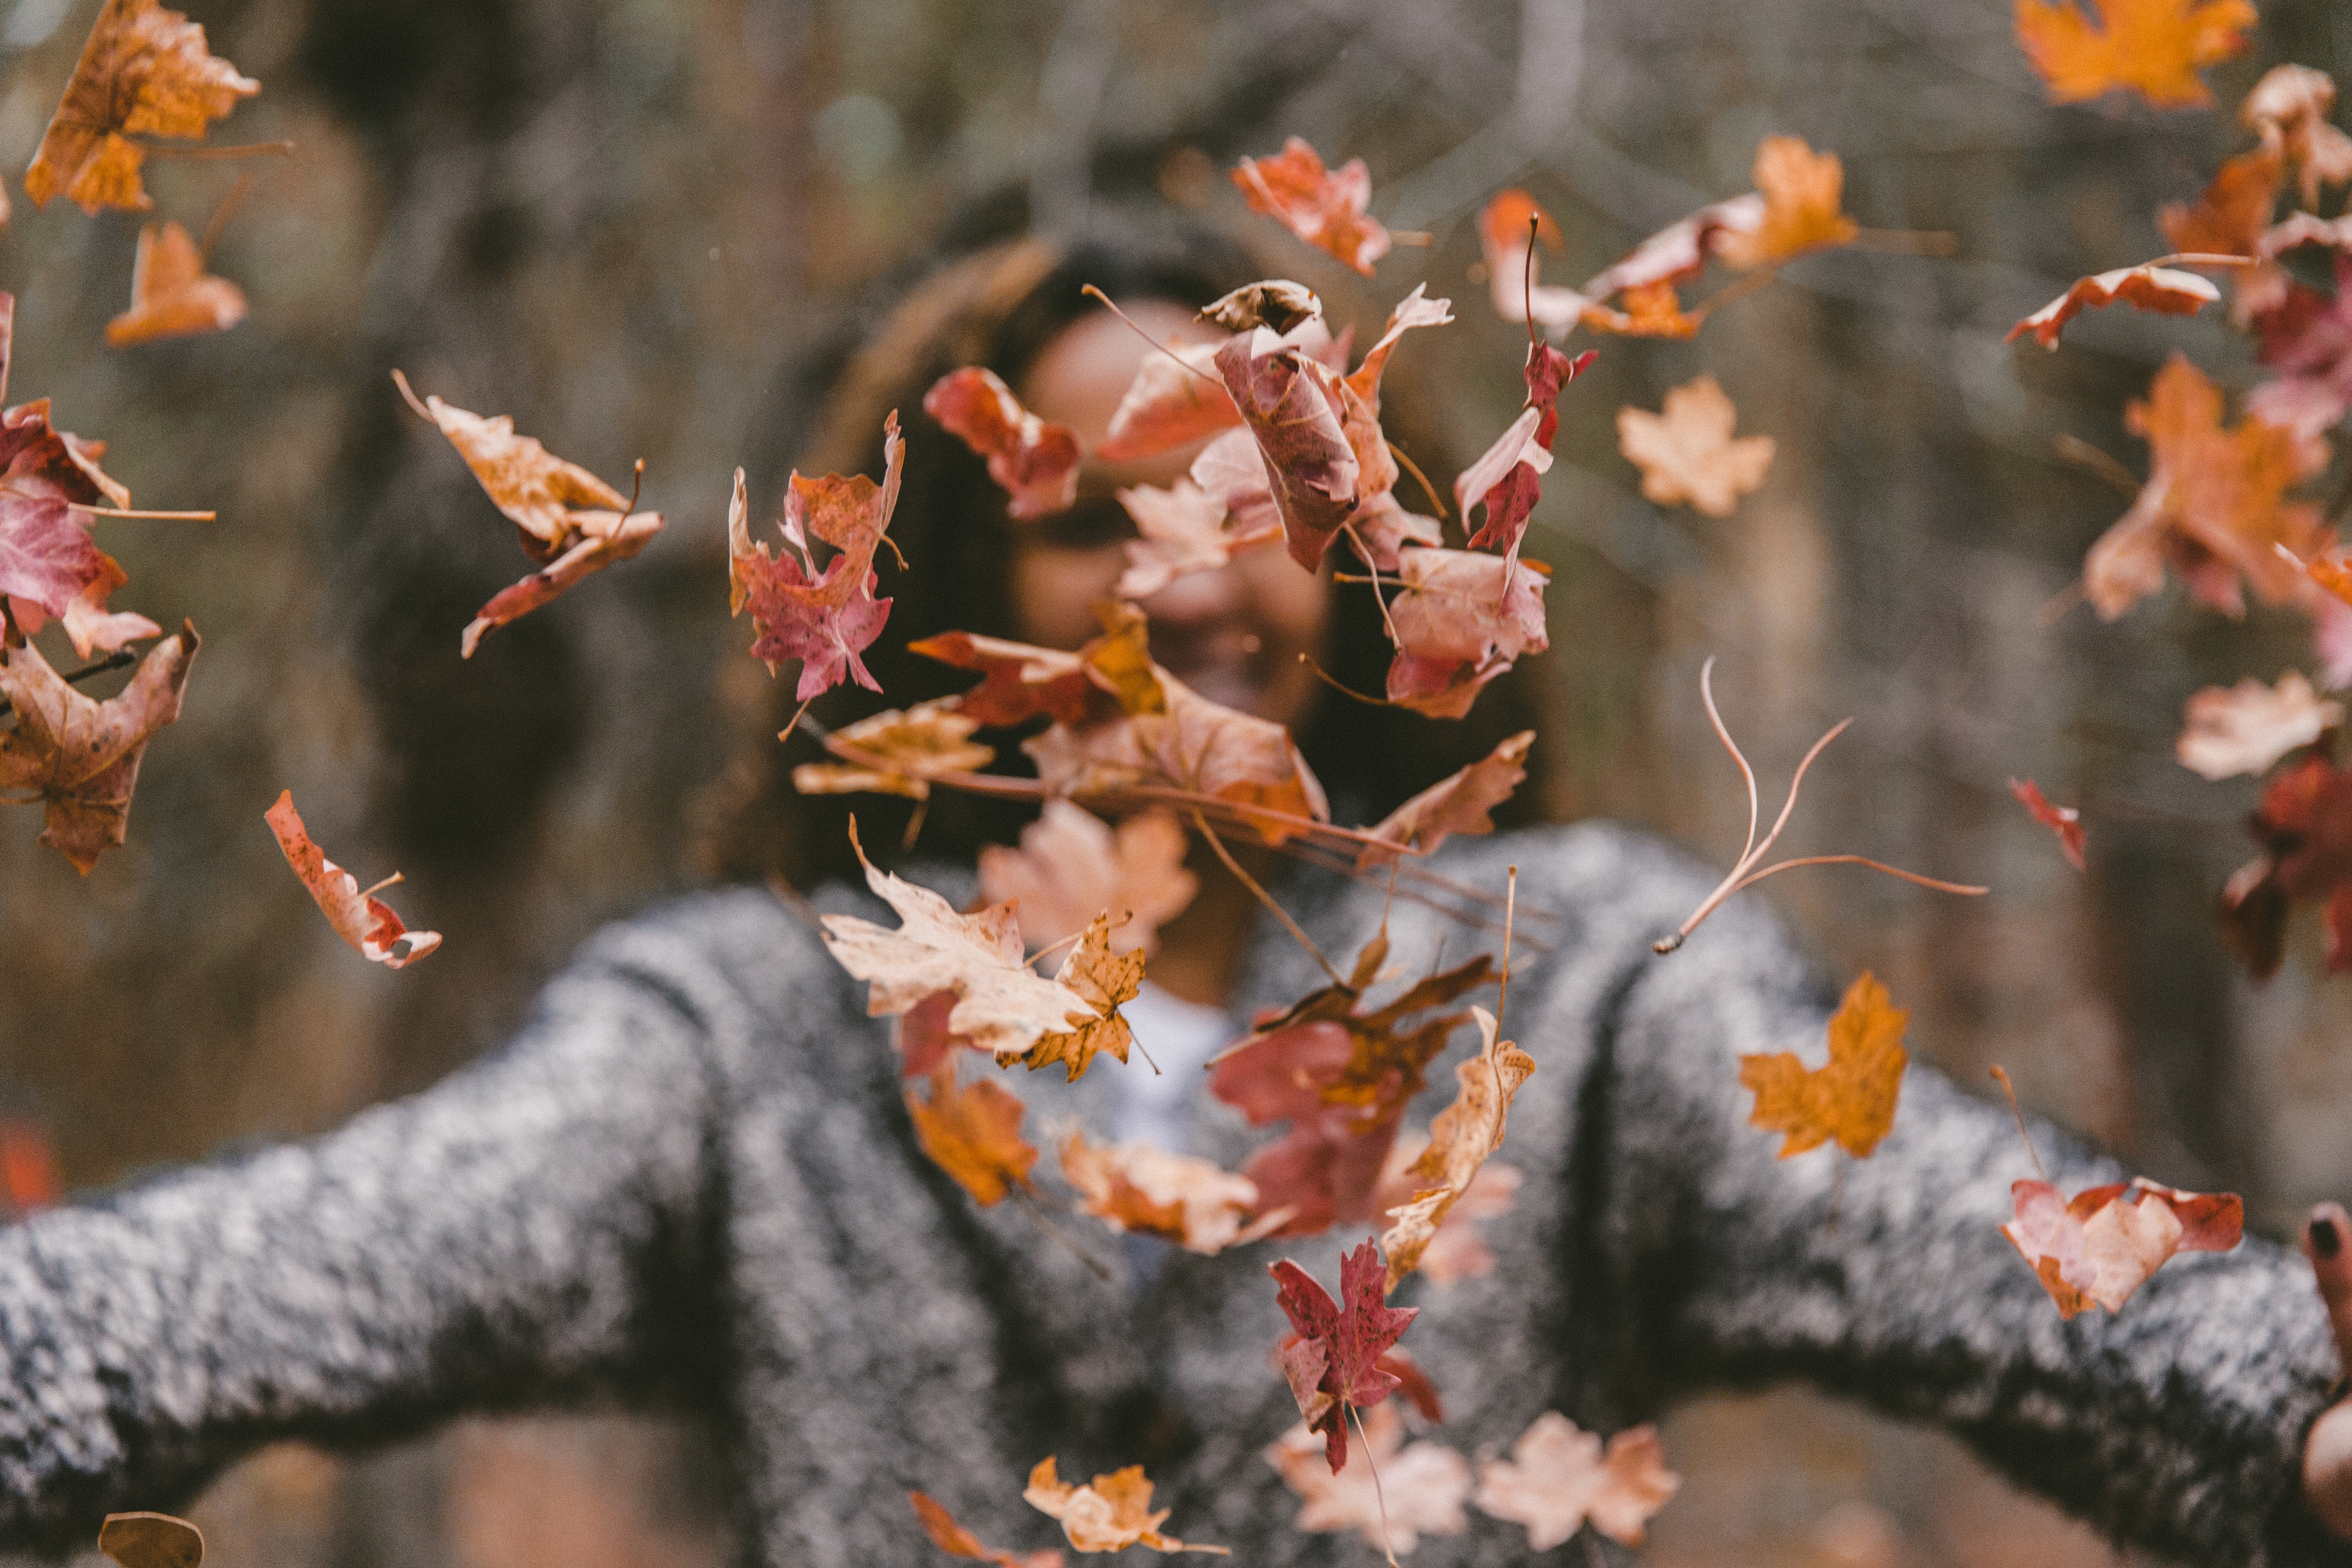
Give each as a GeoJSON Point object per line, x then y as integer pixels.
{"type": "Point", "coordinates": [635, 223]}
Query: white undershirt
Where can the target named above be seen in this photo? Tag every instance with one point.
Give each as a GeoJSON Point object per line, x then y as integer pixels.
{"type": "Point", "coordinates": [1180, 1036]}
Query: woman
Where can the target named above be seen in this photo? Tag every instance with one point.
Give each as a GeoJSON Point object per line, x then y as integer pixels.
{"type": "Point", "coordinates": [692, 1174]}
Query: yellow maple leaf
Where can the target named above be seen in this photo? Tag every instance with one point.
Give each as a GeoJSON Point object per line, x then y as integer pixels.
{"type": "Point", "coordinates": [973, 1133]}
{"type": "Point", "coordinates": [1803, 195]}
{"type": "Point", "coordinates": [2153, 47]}
{"type": "Point", "coordinates": [1852, 1100]}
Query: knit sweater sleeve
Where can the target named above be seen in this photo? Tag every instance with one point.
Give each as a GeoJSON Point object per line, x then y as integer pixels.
{"type": "Point", "coordinates": [530, 1227]}
{"type": "Point", "coordinates": [2177, 1423]}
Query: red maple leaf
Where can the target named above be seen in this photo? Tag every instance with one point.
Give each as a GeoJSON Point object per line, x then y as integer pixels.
{"type": "Point", "coordinates": [1035, 462]}
{"type": "Point", "coordinates": [1324, 208]}
{"type": "Point", "coordinates": [1333, 1355]}
{"type": "Point", "coordinates": [1294, 406]}
{"type": "Point", "coordinates": [1509, 478]}
{"type": "Point", "coordinates": [825, 619]}
{"type": "Point", "coordinates": [2305, 827]}
{"type": "Point", "coordinates": [2065, 821]}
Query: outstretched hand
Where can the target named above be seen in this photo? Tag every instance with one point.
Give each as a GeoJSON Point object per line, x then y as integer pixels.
{"type": "Point", "coordinates": [2327, 1452]}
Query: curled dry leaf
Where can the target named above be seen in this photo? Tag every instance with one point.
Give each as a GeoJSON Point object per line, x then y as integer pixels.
{"type": "Point", "coordinates": [566, 518]}
{"type": "Point", "coordinates": [1002, 1007]}
{"type": "Point", "coordinates": [957, 1541]}
{"type": "Point", "coordinates": [1688, 454]}
{"type": "Point", "coordinates": [2167, 291]}
{"type": "Point", "coordinates": [1230, 472]}
{"type": "Point", "coordinates": [1019, 681]}
{"type": "Point", "coordinates": [1341, 1073]}
{"type": "Point", "coordinates": [1332, 1356]}
{"type": "Point", "coordinates": [2065, 821]}
{"type": "Point", "coordinates": [1359, 395]}
{"type": "Point", "coordinates": [172, 295]}
{"type": "Point", "coordinates": [1175, 399]}
{"type": "Point", "coordinates": [972, 1131]}
{"type": "Point", "coordinates": [1509, 477]}
{"type": "Point", "coordinates": [1291, 404]}
{"type": "Point", "coordinates": [1144, 1191]}
{"type": "Point", "coordinates": [2153, 47]}
{"type": "Point", "coordinates": [49, 565]}
{"type": "Point", "coordinates": [2244, 729]}
{"type": "Point", "coordinates": [1104, 981]}
{"type": "Point", "coordinates": [1850, 1099]}
{"type": "Point", "coordinates": [1803, 191]}
{"type": "Point", "coordinates": [2304, 825]}
{"type": "Point", "coordinates": [2214, 508]}
{"type": "Point", "coordinates": [151, 1541]}
{"type": "Point", "coordinates": [1072, 866]}
{"type": "Point", "coordinates": [1420, 1490]}
{"type": "Point", "coordinates": [1463, 619]}
{"type": "Point", "coordinates": [2290, 107]}
{"type": "Point", "coordinates": [1458, 803]}
{"type": "Point", "coordinates": [2097, 1247]}
{"type": "Point", "coordinates": [81, 757]}
{"type": "Point", "coordinates": [360, 918]}
{"type": "Point", "coordinates": [1558, 1479]}
{"type": "Point", "coordinates": [1324, 208]}
{"type": "Point", "coordinates": [1184, 530]}
{"type": "Point", "coordinates": [1457, 1252]}
{"type": "Point", "coordinates": [1462, 1138]}
{"type": "Point", "coordinates": [143, 71]}
{"type": "Point", "coordinates": [826, 620]}
{"type": "Point", "coordinates": [1036, 463]}
{"type": "Point", "coordinates": [1108, 1514]}
{"type": "Point", "coordinates": [1278, 304]}
{"type": "Point", "coordinates": [899, 753]}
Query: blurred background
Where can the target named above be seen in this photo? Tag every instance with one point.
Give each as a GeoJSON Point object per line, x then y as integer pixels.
{"type": "Point", "coordinates": [629, 223]}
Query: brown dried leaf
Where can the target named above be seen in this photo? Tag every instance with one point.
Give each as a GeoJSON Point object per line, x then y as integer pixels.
{"type": "Point", "coordinates": [144, 70]}
{"type": "Point", "coordinates": [1558, 1480]}
{"type": "Point", "coordinates": [1111, 1512]}
{"type": "Point", "coordinates": [151, 1541]}
{"type": "Point", "coordinates": [1144, 1191]}
{"type": "Point", "coordinates": [1460, 1140]}
{"type": "Point", "coordinates": [1036, 463]}
{"type": "Point", "coordinates": [82, 757]}
{"type": "Point", "coordinates": [1463, 619]}
{"type": "Point", "coordinates": [1104, 980]}
{"type": "Point", "coordinates": [172, 295]}
{"type": "Point", "coordinates": [359, 919]}
{"type": "Point", "coordinates": [1324, 208]}
{"type": "Point", "coordinates": [903, 752]}
{"type": "Point", "coordinates": [973, 1133]}
{"type": "Point", "coordinates": [1458, 803]}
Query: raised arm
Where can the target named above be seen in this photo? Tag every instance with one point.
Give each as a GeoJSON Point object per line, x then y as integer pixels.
{"type": "Point", "coordinates": [2177, 1422]}
{"type": "Point", "coordinates": [532, 1226]}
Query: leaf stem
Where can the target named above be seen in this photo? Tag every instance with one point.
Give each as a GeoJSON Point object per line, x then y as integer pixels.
{"type": "Point", "coordinates": [2001, 1076]}
{"type": "Point", "coordinates": [158, 516]}
{"type": "Point", "coordinates": [1112, 306]}
{"type": "Point", "coordinates": [215, 154]}
{"type": "Point", "coordinates": [111, 661]}
{"type": "Point", "coordinates": [1292, 926]}
{"type": "Point", "coordinates": [1380, 1494]}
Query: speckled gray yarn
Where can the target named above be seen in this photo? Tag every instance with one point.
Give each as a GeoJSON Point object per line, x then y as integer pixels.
{"type": "Point", "coordinates": [692, 1177]}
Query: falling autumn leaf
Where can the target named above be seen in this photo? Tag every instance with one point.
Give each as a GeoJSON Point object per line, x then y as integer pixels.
{"type": "Point", "coordinates": [1103, 980]}
{"type": "Point", "coordinates": [1457, 1252]}
{"type": "Point", "coordinates": [957, 1541]}
{"type": "Point", "coordinates": [1463, 619]}
{"type": "Point", "coordinates": [151, 1541]}
{"type": "Point", "coordinates": [1324, 208]}
{"type": "Point", "coordinates": [1002, 1007]}
{"type": "Point", "coordinates": [2290, 107]}
{"type": "Point", "coordinates": [1108, 1513]}
{"type": "Point", "coordinates": [49, 567]}
{"type": "Point", "coordinates": [2233, 211]}
{"type": "Point", "coordinates": [1036, 463]}
{"type": "Point", "coordinates": [1072, 865]}
{"type": "Point", "coordinates": [172, 295]}
{"type": "Point", "coordinates": [2097, 1247]}
{"type": "Point", "coordinates": [899, 753]}
{"type": "Point", "coordinates": [1176, 398]}
{"type": "Point", "coordinates": [2065, 821]}
{"type": "Point", "coordinates": [2244, 729]}
{"type": "Point", "coordinates": [1292, 405]}
{"type": "Point", "coordinates": [1851, 1099]}
{"type": "Point", "coordinates": [2167, 291]}
{"type": "Point", "coordinates": [81, 757]}
{"type": "Point", "coordinates": [1462, 1138]}
{"type": "Point", "coordinates": [1359, 393]}
{"type": "Point", "coordinates": [1458, 803]}
{"type": "Point", "coordinates": [1184, 530]}
{"type": "Point", "coordinates": [360, 918]}
{"type": "Point", "coordinates": [1332, 1355]}
{"type": "Point", "coordinates": [1802, 191]}
{"type": "Point", "coordinates": [1019, 682]}
{"type": "Point", "coordinates": [2214, 507]}
{"type": "Point", "coordinates": [567, 519]}
{"type": "Point", "coordinates": [2153, 47]}
{"type": "Point", "coordinates": [1507, 479]}
{"type": "Point", "coordinates": [1144, 1191]}
{"type": "Point", "coordinates": [1558, 1479]}
{"type": "Point", "coordinates": [1688, 454]}
{"type": "Point", "coordinates": [145, 71]}
{"type": "Point", "coordinates": [1507, 229]}
{"type": "Point", "coordinates": [826, 620]}
{"type": "Point", "coordinates": [1384, 529]}
{"type": "Point", "coordinates": [972, 1131]}
{"type": "Point", "coordinates": [2304, 825]}
{"type": "Point", "coordinates": [1420, 1491]}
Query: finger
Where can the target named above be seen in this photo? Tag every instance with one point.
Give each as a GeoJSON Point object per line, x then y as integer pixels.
{"type": "Point", "coordinates": [2327, 1241]}
{"type": "Point", "coordinates": [2327, 1469]}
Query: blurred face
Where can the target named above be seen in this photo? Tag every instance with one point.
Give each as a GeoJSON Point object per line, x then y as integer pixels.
{"type": "Point", "coordinates": [1234, 635]}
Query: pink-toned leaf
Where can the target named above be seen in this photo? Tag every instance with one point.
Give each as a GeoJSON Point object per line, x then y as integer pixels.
{"type": "Point", "coordinates": [1324, 208]}
{"type": "Point", "coordinates": [1458, 803]}
{"type": "Point", "coordinates": [2065, 821]}
{"type": "Point", "coordinates": [1184, 530]}
{"type": "Point", "coordinates": [1176, 398]}
{"type": "Point", "coordinates": [1292, 405]}
{"type": "Point", "coordinates": [1461, 619]}
{"type": "Point", "coordinates": [1420, 1490]}
{"type": "Point", "coordinates": [1352, 1334]}
{"type": "Point", "coordinates": [360, 918]}
{"type": "Point", "coordinates": [1072, 866]}
{"type": "Point", "coordinates": [827, 619]}
{"type": "Point", "coordinates": [1507, 477]}
{"type": "Point", "coordinates": [1035, 462]}
{"type": "Point", "coordinates": [1558, 1479]}
{"type": "Point", "coordinates": [2099, 1247]}
{"type": "Point", "coordinates": [2167, 291]}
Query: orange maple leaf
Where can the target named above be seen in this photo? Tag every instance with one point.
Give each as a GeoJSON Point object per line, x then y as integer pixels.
{"type": "Point", "coordinates": [1108, 1514]}
{"type": "Point", "coordinates": [1145, 1190]}
{"type": "Point", "coordinates": [2214, 507]}
{"type": "Point", "coordinates": [1803, 191]}
{"type": "Point", "coordinates": [1458, 803]}
{"type": "Point", "coordinates": [1324, 208]}
{"type": "Point", "coordinates": [972, 1133]}
{"type": "Point", "coordinates": [1035, 462]}
{"type": "Point", "coordinates": [957, 1541]}
{"type": "Point", "coordinates": [172, 295]}
{"type": "Point", "coordinates": [1688, 453]}
{"type": "Point", "coordinates": [144, 70]}
{"type": "Point", "coordinates": [360, 918]}
{"type": "Point", "coordinates": [1073, 865]}
{"type": "Point", "coordinates": [1852, 1098]}
{"type": "Point", "coordinates": [1558, 1479]}
{"type": "Point", "coordinates": [79, 756]}
{"type": "Point", "coordinates": [2167, 291]}
{"type": "Point", "coordinates": [2154, 48]}
{"type": "Point", "coordinates": [1462, 1138]}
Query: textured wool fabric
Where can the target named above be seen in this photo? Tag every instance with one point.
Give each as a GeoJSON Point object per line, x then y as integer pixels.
{"type": "Point", "coordinates": [692, 1178]}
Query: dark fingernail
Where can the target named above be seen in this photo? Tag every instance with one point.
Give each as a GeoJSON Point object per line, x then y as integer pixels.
{"type": "Point", "coordinates": [2324, 1239]}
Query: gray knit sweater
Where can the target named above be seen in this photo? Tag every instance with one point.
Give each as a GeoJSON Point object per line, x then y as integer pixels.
{"type": "Point", "coordinates": [692, 1177]}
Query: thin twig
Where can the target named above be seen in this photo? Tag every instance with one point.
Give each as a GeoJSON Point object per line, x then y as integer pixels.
{"type": "Point", "coordinates": [1404, 458]}
{"type": "Point", "coordinates": [157, 516]}
{"type": "Point", "coordinates": [2083, 454]}
{"type": "Point", "coordinates": [786, 732]}
{"type": "Point", "coordinates": [1292, 926]}
{"type": "Point", "coordinates": [1332, 681]}
{"type": "Point", "coordinates": [1112, 306]}
{"type": "Point", "coordinates": [2001, 1076]}
{"type": "Point", "coordinates": [1731, 293]}
{"type": "Point", "coordinates": [213, 154]}
{"type": "Point", "coordinates": [1747, 774]}
{"type": "Point", "coordinates": [1030, 1207]}
{"type": "Point", "coordinates": [1510, 907]}
{"type": "Point", "coordinates": [111, 661]}
{"type": "Point", "coordinates": [219, 220]}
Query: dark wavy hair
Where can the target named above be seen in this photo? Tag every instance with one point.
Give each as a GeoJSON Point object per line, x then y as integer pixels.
{"type": "Point", "coordinates": [999, 305]}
